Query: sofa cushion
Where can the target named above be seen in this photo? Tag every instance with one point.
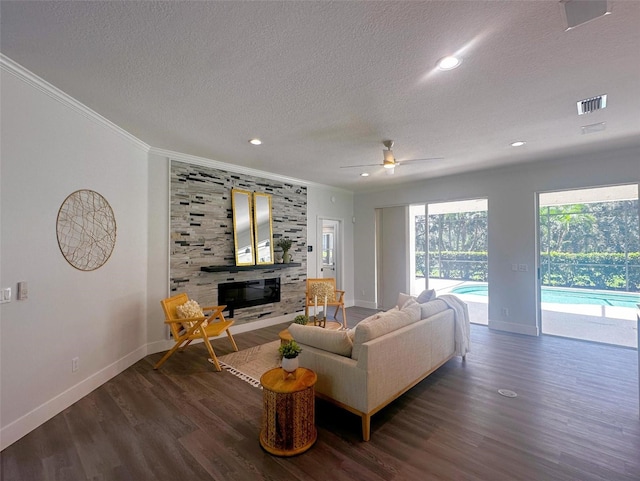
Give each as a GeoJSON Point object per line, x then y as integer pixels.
{"type": "Point", "coordinates": [379, 325]}
{"type": "Point", "coordinates": [426, 296]}
{"type": "Point", "coordinates": [402, 299]}
{"type": "Point", "coordinates": [412, 308]}
{"type": "Point", "coordinates": [338, 342]}
{"type": "Point", "coordinates": [432, 308]}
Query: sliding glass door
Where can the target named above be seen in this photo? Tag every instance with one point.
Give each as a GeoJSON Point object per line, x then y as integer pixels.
{"type": "Point", "coordinates": [590, 264]}
{"type": "Point", "coordinates": [449, 253]}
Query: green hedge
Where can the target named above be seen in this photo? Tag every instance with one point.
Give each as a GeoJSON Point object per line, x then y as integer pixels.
{"type": "Point", "coordinates": [455, 265]}
{"type": "Point", "coordinates": [596, 270]}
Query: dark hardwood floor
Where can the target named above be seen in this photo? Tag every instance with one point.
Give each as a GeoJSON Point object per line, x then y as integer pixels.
{"type": "Point", "coordinates": [575, 418]}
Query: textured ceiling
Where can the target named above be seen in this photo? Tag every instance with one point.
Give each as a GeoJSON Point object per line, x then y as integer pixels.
{"type": "Point", "coordinates": [323, 83]}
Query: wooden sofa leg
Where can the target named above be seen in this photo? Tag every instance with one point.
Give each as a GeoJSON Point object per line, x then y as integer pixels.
{"type": "Point", "coordinates": [366, 427]}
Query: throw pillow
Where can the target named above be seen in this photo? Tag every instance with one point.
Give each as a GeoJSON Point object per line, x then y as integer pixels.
{"type": "Point", "coordinates": [402, 299]}
{"type": "Point", "coordinates": [331, 340]}
{"type": "Point", "coordinates": [189, 310]}
{"type": "Point", "coordinates": [426, 296]}
{"type": "Point", "coordinates": [322, 289]}
{"type": "Point", "coordinates": [412, 308]}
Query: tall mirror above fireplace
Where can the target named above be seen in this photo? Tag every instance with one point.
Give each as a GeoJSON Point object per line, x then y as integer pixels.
{"type": "Point", "coordinates": [263, 228]}
{"type": "Point", "coordinates": [242, 227]}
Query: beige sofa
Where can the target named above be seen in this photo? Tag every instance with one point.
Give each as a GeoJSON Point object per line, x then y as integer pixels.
{"type": "Point", "coordinates": [364, 369]}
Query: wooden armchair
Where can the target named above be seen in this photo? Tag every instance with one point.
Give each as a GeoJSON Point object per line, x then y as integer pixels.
{"type": "Point", "coordinates": [186, 330]}
{"type": "Point", "coordinates": [321, 287]}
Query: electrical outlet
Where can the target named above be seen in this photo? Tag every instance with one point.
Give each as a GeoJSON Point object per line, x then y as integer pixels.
{"type": "Point", "coordinates": [514, 267]}
{"type": "Point", "coordinates": [523, 267]}
{"type": "Point", "coordinates": [75, 364]}
{"type": "Point", "coordinates": [505, 312]}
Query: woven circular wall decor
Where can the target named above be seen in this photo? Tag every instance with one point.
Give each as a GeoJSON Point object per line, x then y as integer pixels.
{"type": "Point", "coordinates": [86, 230]}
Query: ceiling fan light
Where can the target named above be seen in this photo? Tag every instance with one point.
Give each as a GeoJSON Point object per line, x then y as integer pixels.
{"type": "Point", "coordinates": [388, 164]}
{"type": "Point", "coordinates": [449, 63]}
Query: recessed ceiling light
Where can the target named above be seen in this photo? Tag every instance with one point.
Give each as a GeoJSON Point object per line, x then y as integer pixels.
{"type": "Point", "coordinates": [518, 143]}
{"type": "Point", "coordinates": [449, 63]}
{"type": "Point", "coordinates": [364, 174]}
{"type": "Point", "coordinates": [255, 141]}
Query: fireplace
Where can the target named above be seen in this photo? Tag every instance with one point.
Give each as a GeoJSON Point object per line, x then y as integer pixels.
{"type": "Point", "coordinates": [236, 295]}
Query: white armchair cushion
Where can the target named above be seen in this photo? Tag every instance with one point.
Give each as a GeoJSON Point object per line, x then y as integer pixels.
{"type": "Point", "coordinates": [338, 342]}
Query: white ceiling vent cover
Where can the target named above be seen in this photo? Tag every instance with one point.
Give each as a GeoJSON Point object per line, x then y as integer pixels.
{"type": "Point", "coordinates": [591, 105]}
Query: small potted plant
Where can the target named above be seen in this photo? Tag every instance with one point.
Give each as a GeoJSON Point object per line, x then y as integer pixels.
{"type": "Point", "coordinates": [289, 353]}
{"type": "Point", "coordinates": [301, 319]}
{"type": "Point", "coordinates": [285, 244]}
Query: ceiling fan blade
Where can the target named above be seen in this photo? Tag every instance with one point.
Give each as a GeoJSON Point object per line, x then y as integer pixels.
{"type": "Point", "coordinates": [418, 160]}
{"type": "Point", "coordinates": [363, 165]}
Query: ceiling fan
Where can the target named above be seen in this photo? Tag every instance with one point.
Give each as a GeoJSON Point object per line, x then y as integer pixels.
{"type": "Point", "coordinates": [389, 161]}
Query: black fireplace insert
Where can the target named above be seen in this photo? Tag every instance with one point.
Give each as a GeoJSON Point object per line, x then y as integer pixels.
{"type": "Point", "coordinates": [236, 295]}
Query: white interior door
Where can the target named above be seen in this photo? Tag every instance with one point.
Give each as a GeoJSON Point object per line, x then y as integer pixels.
{"type": "Point", "coordinates": [330, 251]}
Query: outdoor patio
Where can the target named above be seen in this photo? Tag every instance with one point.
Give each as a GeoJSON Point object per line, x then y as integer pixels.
{"type": "Point", "coordinates": [596, 323]}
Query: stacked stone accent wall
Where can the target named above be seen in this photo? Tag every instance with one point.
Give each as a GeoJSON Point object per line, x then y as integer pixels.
{"type": "Point", "coordinates": [201, 228]}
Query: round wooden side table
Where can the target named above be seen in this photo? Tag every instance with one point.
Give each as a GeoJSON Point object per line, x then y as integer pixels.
{"type": "Point", "coordinates": [288, 418]}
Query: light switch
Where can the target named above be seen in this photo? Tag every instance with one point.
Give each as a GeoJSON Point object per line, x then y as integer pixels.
{"type": "Point", "coordinates": [5, 295]}
{"type": "Point", "coordinates": [23, 290]}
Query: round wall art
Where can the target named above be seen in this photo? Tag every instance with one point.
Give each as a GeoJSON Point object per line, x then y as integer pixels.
{"type": "Point", "coordinates": [86, 230]}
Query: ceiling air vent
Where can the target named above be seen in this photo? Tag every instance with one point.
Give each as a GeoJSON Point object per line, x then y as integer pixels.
{"type": "Point", "coordinates": [591, 105]}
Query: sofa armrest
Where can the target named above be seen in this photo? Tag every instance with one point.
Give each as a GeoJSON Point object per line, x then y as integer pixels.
{"type": "Point", "coordinates": [396, 360]}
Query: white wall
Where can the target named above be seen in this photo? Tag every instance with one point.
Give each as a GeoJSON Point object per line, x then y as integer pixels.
{"type": "Point", "coordinates": [108, 318]}
{"type": "Point", "coordinates": [158, 248]}
{"type": "Point", "coordinates": [335, 204]}
{"type": "Point", "coordinates": [50, 149]}
{"type": "Point", "coordinates": [511, 194]}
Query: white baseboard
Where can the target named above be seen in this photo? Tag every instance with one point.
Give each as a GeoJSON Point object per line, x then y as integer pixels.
{"type": "Point", "coordinates": [367, 304]}
{"type": "Point", "coordinates": [514, 327]}
{"type": "Point", "coordinates": [22, 426]}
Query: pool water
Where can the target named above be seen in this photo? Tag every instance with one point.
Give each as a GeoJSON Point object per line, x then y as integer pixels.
{"type": "Point", "coordinates": [559, 295]}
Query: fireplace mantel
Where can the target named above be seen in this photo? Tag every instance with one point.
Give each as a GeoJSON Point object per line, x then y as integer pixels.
{"type": "Point", "coordinates": [249, 268]}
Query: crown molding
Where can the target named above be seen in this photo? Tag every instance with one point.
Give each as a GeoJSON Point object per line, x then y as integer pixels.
{"type": "Point", "coordinates": [55, 93]}
{"type": "Point", "coordinates": [237, 169]}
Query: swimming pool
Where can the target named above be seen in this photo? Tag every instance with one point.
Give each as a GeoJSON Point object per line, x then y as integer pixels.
{"type": "Point", "coordinates": [564, 295]}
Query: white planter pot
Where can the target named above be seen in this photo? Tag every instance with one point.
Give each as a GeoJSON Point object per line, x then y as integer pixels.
{"type": "Point", "coordinates": [289, 364]}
